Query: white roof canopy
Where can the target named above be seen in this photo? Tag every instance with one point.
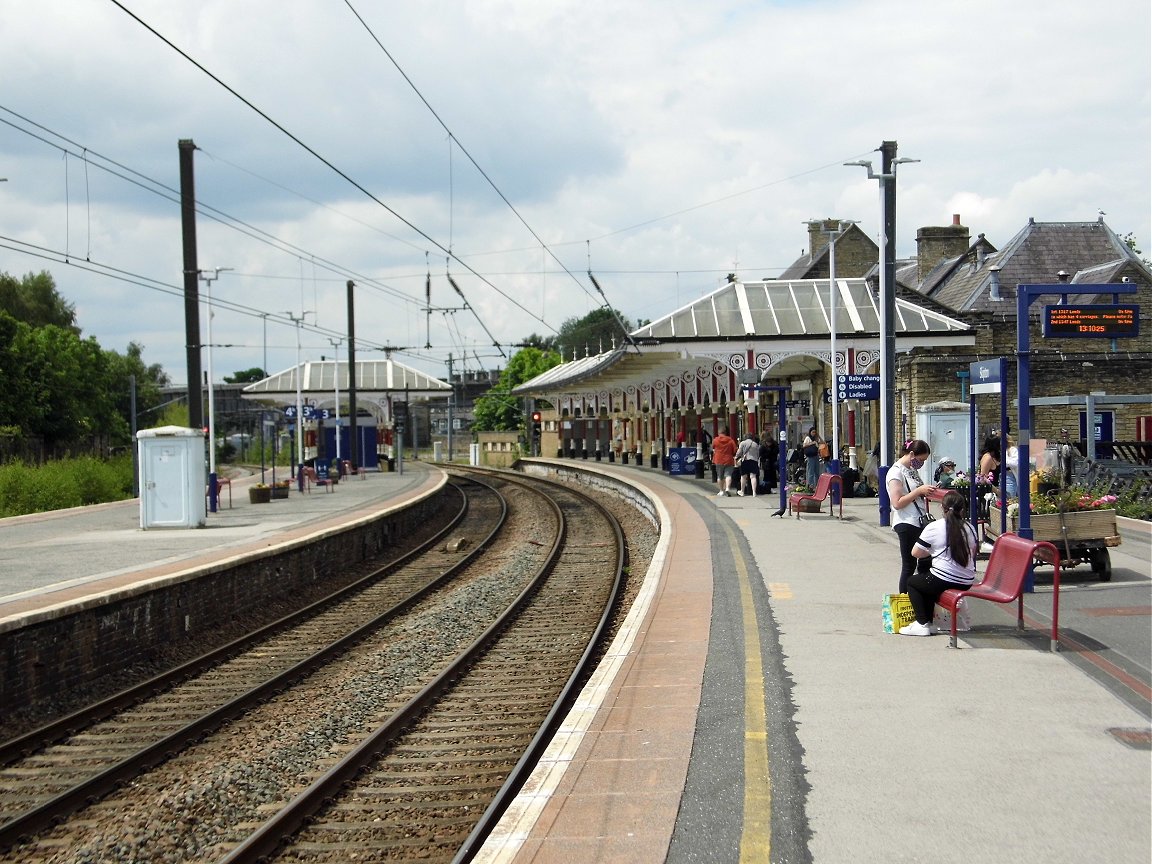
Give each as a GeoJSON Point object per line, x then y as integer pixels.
{"type": "Point", "coordinates": [374, 378]}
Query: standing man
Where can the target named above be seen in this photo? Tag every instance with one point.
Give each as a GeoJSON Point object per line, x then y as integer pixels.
{"type": "Point", "coordinates": [724, 458]}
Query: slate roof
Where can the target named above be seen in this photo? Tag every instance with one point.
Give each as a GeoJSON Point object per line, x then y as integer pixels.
{"type": "Point", "coordinates": [809, 266]}
{"type": "Point", "coordinates": [1090, 252]}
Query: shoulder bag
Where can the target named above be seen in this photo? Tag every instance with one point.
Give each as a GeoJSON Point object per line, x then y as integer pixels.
{"type": "Point", "coordinates": [924, 516]}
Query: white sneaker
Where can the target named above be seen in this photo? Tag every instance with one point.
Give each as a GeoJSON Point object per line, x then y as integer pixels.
{"type": "Point", "coordinates": [916, 629]}
{"type": "Point", "coordinates": [740, 492]}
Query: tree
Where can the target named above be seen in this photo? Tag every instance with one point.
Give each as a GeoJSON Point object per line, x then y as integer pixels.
{"type": "Point", "coordinates": [35, 301]}
{"type": "Point", "coordinates": [1129, 240]}
{"type": "Point", "coordinates": [597, 331]}
{"type": "Point", "coordinates": [246, 376]}
{"type": "Point", "coordinates": [150, 380]}
{"type": "Point", "coordinates": [498, 410]}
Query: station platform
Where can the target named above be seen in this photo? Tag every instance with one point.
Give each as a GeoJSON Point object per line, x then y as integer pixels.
{"type": "Point", "coordinates": [55, 559]}
{"type": "Point", "coordinates": [752, 708]}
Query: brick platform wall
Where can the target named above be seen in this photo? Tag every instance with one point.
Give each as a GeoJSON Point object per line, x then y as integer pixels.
{"type": "Point", "coordinates": [102, 638]}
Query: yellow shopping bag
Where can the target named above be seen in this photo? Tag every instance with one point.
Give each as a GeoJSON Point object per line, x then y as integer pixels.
{"type": "Point", "coordinates": [897, 612]}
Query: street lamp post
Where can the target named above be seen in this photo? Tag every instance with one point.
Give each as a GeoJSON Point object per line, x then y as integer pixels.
{"type": "Point", "coordinates": [835, 231]}
{"type": "Point", "coordinates": [298, 375]}
{"type": "Point", "coordinates": [336, 384]}
{"type": "Point", "coordinates": [208, 277]}
{"type": "Point", "coordinates": [887, 181]}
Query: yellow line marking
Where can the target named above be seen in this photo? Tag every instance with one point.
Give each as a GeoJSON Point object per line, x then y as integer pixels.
{"type": "Point", "coordinates": [756, 836]}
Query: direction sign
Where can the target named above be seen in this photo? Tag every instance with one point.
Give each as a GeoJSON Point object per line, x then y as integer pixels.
{"type": "Point", "coordinates": [858, 387]}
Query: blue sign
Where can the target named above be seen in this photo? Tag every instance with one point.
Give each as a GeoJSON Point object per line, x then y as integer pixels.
{"type": "Point", "coordinates": [984, 375]}
{"type": "Point", "coordinates": [681, 460]}
{"type": "Point", "coordinates": [308, 412]}
{"type": "Point", "coordinates": [858, 387]}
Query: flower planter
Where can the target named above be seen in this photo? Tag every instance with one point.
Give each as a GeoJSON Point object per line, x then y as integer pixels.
{"type": "Point", "coordinates": [1081, 524]}
{"type": "Point", "coordinates": [280, 491]}
{"type": "Point", "coordinates": [257, 495]}
{"type": "Point", "coordinates": [808, 506]}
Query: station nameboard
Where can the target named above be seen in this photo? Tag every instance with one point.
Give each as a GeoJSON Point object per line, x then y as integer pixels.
{"type": "Point", "coordinates": [1097, 321]}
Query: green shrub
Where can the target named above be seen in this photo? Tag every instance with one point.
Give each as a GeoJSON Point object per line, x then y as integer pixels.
{"type": "Point", "coordinates": [1133, 506]}
{"type": "Point", "coordinates": [63, 483]}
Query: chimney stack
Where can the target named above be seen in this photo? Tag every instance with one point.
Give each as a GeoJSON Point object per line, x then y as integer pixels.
{"type": "Point", "coordinates": [818, 235]}
{"type": "Point", "coordinates": [934, 245]}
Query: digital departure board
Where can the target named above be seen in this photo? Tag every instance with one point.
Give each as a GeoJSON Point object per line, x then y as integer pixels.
{"type": "Point", "coordinates": [1096, 321]}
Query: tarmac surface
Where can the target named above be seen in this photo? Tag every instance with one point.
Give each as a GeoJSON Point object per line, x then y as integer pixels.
{"type": "Point", "coordinates": [752, 709]}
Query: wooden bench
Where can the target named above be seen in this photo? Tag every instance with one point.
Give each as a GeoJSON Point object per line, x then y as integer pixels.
{"type": "Point", "coordinates": [1004, 578]}
{"type": "Point", "coordinates": [823, 488]}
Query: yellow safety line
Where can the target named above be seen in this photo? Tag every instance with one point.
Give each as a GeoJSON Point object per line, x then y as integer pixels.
{"type": "Point", "coordinates": [756, 836]}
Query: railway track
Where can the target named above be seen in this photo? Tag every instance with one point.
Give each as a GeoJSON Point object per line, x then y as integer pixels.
{"type": "Point", "coordinates": [407, 721]}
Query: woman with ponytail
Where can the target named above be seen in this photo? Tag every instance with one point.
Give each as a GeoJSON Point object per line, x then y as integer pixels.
{"type": "Point", "coordinates": [950, 545]}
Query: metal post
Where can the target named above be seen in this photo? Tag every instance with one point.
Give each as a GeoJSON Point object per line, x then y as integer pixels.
{"type": "Point", "coordinates": [336, 385]}
{"type": "Point", "coordinates": [191, 283]}
{"type": "Point", "coordinates": [298, 376]}
{"type": "Point", "coordinates": [353, 443]}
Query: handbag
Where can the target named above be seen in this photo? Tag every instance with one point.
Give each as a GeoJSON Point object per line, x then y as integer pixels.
{"type": "Point", "coordinates": [896, 612]}
{"type": "Point", "coordinates": [824, 451]}
{"type": "Point", "coordinates": [924, 516]}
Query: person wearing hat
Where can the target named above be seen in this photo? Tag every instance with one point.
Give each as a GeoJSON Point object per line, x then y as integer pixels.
{"type": "Point", "coordinates": [945, 473]}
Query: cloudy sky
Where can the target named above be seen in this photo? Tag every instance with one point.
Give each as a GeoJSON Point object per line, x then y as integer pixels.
{"type": "Point", "coordinates": [514, 144]}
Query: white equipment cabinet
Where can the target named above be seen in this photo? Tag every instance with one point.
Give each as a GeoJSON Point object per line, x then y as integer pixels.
{"type": "Point", "coordinates": [173, 468]}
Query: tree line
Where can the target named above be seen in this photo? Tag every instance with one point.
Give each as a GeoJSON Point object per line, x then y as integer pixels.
{"type": "Point", "coordinates": [598, 331]}
{"type": "Point", "coordinates": [64, 394]}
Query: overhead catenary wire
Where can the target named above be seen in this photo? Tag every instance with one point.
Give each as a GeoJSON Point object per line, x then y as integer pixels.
{"type": "Point", "coordinates": [452, 138]}
{"type": "Point", "coordinates": [327, 163]}
{"type": "Point", "coordinates": [155, 187]}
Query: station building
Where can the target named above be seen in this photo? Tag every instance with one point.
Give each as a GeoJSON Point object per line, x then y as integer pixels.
{"type": "Point", "coordinates": [728, 358]}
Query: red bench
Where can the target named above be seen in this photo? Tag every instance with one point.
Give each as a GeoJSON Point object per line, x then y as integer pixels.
{"type": "Point", "coordinates": [1004, 577]}
{"type": "Point", "coordinates": [823, 487]}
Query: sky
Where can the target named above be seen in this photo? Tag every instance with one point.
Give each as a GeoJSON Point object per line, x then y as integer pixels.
{"type": "Point", "coordinates": [510, 147]}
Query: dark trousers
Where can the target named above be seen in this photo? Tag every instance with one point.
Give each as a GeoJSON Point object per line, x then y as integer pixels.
{"type": "Point", "coordinates": [924, 589]}
{"type": "Point", "coordinates": [909, 564]}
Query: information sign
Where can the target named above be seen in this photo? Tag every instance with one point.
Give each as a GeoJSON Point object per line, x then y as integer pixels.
{"type": "Point", "coordinates": [984, 375]}
{"type": "Point", "coordinates": [1097, 321]}
{"type": "Point", "coordinates": [858, 387]}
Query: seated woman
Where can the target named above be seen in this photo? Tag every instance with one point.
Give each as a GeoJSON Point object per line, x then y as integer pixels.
{"type": "Point", "coordinates": [945, 473]}
{"type": "Point", "coordinates": [951, 543]}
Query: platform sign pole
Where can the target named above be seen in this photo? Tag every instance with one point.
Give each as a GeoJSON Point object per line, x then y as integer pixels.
{"type": "Point", "coordinates": [1087, 322]}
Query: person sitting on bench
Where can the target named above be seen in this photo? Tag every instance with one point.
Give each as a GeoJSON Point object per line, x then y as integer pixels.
{"type": "Point", "coordinates": [951, 543]}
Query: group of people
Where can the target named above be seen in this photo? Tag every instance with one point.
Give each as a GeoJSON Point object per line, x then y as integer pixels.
{"type": "Point", "coordinates": [935, 554]}
{"type": "Point", "coordinates": [742, 463]}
